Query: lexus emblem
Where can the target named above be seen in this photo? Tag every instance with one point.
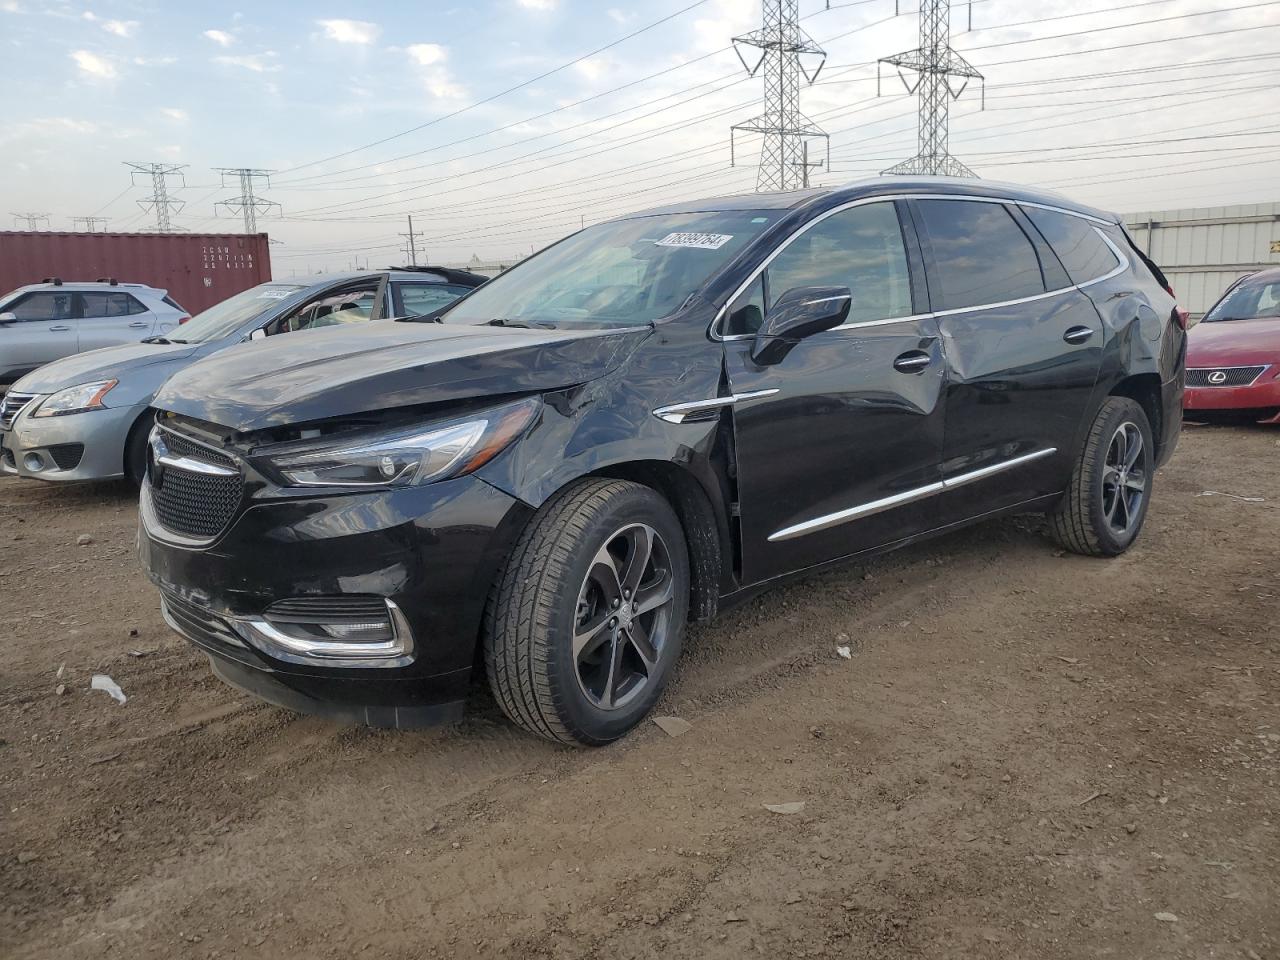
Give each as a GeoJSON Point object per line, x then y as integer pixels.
{"type": "Point", "coordinates": [1218, 376]}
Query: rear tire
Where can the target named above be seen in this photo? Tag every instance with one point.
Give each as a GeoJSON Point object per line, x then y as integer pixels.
{"type": "Point", "coordinates": [1104, 508]}
{"type": "Point", "coordinates": [586, 620]}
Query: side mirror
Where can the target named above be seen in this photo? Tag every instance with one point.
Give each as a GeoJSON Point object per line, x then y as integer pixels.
{"type": "Point", "coordinates": [800, 312]}
{"type": "Point", "coordinates": [8, 318]}
{"type": "Point", "coordinates": [259, 334]}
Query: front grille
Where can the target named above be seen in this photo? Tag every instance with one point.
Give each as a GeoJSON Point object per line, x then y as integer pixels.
{"type": "Point", "coordinates": [11, 406]}
{"type": "Point", "coordinates": [67, 455]}
{"type": "Point", "coordinates": [329, 609]}
{"type": "Point", "coordinates": [195, 505]}
{"type": "Point", "coordinates": [186, 447]}
{"type": "Point", "coordinates": [1223, 376]}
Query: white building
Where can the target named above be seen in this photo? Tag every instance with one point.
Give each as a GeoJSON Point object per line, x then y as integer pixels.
{"type": "Point", "coordinates": [1202, 249]}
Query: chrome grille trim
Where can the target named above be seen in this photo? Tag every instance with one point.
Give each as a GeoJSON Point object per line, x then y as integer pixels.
{"type": "Point", "coordinates": [12, 405]}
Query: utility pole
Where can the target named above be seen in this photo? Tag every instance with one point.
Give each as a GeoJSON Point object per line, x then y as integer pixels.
{"type": "Point", "coordinates": [805, 165]}
{"type": "Point", "coordinates": [410, 248]}
{"type": "Point", "coordinates": [782, 45]}
{"type": "Point", "coordinates": [33, 220]}
{"type": "Point", "coordinates": [934, 64]}
{"type": "Point", "coordinates": [246, 203]}
{"type": "Point", "coordinates": [90, 224]}
{"type": "Point", "coordinates": [159, 201]}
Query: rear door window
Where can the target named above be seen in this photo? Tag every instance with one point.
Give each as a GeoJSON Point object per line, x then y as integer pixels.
{"type": "Point", "coordinates": [110, 305]}
{"type": "Point", "coordinates": [860, 248]}
{"type": "Point", "coordinates": [1077, 244]}
{"type": "Point", "coordinates": [981, 254]}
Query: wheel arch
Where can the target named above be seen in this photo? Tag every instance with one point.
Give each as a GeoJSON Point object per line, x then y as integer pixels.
{"type": "Point", "coordinates": [705, 534]}
{"type": "Point", "coordinates": [1145, 390]}
{"type": "Point", "coordinates": [142, 423]}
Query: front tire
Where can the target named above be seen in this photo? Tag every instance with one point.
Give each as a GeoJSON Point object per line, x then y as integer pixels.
{"type": "Point", "coordinates": [586, 620]}
{"type": "Point", "coordinates": [1104, 508]}
{"type": "Point", "coordinates": [135, 448]}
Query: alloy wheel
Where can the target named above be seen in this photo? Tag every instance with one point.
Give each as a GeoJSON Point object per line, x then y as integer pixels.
{"type": "Point", "coordinates": [1124, 478]}
{"type": "Point", "coordinates": [623, 617]}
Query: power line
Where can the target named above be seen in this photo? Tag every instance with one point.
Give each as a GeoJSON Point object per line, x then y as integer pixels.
{"type": "Point", "coordinates": [159, 201]}
{"type": "Point", "coordinates": [500, 94]}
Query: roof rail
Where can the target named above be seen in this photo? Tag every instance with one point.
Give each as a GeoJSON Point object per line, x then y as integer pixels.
{"type": "Point", "coordinates": [56, 281]}
{"type": "Point", "coordinates": [111, 280]}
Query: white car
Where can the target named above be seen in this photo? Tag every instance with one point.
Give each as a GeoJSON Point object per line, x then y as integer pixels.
{"type": "Point", "coordinates": [46, 321]}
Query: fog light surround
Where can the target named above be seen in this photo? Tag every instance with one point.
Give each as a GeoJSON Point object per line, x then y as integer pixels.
{"type": "Point", "coordinates": [368, 642]}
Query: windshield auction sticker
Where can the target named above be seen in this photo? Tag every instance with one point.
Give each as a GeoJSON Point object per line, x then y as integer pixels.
{"type": "Point", "coordinates": [274, 294]}
{"type": "Point", "coordinates": [703, 241]}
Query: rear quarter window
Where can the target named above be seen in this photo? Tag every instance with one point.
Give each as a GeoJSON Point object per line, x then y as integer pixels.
{"type": "Point", "coordinates": [1083, 253]}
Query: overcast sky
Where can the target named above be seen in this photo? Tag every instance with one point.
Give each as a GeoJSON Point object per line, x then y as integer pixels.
{"type": "Point", "coordinates": [308, 90]}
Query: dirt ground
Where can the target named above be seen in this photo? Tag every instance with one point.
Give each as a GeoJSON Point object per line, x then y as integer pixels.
{"type": "Point", "coordinates": [1030, 754]}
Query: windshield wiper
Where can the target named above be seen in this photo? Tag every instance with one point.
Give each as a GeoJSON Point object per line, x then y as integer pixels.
{"type": "Point", "coordinates": [504, 322]}
{"type": "Point", "coordinates": [424, 318]}
{"type": "Point", "coordinates": [163, 341]}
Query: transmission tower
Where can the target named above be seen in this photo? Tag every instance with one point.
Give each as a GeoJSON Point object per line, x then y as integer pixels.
{"type": "Point", "coordinates": [33, 220]}
{"type": "Point", "coordinates": [782, 45]}
{"type": "Point", "coordinates": [90, 223]}
{"type": "Point", "coordinates": [246, 203]}
{"type": "Point", "coordinates": [160, 201]}
{"type": "Point", "coordinates": [934, 64]}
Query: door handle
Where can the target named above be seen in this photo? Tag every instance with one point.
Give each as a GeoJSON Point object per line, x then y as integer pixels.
{"type": "Point", "coordinates": [139, 324]}
{"type": "Point", "coordinates": [1078, 334]}
{"type": "Point", "coordinates": [60, 328]}
{"type": "Point", "coordinates": [913, 361]}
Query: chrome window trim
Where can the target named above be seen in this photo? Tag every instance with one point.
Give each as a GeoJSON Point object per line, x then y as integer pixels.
{"type": "Point", "coordinates": [676, 412]}
{"type": "Point", "coordinates": [826, 521]}
{"type": "Point", "coordinates": [713, 329]}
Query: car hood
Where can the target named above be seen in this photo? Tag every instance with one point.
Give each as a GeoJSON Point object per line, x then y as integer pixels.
{"type": "Point", "coordinates": [1234, 342]}
{"type": "Point", "coordinates": [314, 375]}
{"type": "Point", "coordinates": [104, 364]}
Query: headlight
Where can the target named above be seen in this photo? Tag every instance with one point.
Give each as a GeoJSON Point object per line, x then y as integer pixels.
{"type": "Point", "coordinates": [84, 396]}
{"type": "Point", "coordinates": [403, 457]}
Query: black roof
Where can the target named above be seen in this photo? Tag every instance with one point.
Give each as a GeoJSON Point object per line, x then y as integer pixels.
{"type": "Point", "coordinates": [872, 186]}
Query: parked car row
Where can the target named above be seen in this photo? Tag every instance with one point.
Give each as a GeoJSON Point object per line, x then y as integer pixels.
{"type": "Point", "coordinates": [42, 434]}
{"type": "Point", "coordinates": [649, 421]}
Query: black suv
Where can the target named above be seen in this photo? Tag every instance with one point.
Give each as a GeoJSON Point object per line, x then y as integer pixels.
{"type": "Point", "coordinates": [647, 421]}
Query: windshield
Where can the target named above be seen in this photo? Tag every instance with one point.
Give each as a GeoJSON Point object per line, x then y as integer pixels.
{"type": "Point", "coordinates": [226, 317]}
{"type": "Point", "coordinates": [623, 273]}
{"type": "Point", "coordinates": [1252, 300]}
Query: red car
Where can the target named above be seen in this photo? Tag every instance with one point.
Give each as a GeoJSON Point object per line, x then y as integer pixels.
{"type": "Point", "coordinates": [1233, 355]}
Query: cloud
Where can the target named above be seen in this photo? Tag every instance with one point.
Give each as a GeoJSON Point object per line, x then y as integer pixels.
{"type": "Point", "coordinates": [176, 114]}
{"type": "Point", "coordinates": [220, 37]}
{"type": "Point", "coordinates": [11, 6]}
{"type": "Point", "coordinates": [440, 84]}
{"type": "Point", "coordinates": [593, 68]}
{"type": "Point", "coordinates": [154, 61]}
{"type": "Point", "coordinates": [538, 4]}
{"type": "Point", "coordinates": [93, 65]}
{"type": "Point", "coordinates": [350, 31]}
{"type": "Point", "coordinates": [256, 62]}
{"type": "Point", "coordinates": [121, 28]}
{"type": "Point", "coordinates": [427, 54]}
{"type": "Point", "coordinates": [620, 17]}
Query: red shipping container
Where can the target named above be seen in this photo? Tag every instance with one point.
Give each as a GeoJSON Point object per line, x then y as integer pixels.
{"type": "Point", "coordinates": [198, 269]}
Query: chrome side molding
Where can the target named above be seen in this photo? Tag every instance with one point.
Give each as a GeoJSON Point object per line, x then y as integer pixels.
{"type": "Point", "coordinates": [678, 412]}
{"type": "Point", "coordinates": [829, 520]}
